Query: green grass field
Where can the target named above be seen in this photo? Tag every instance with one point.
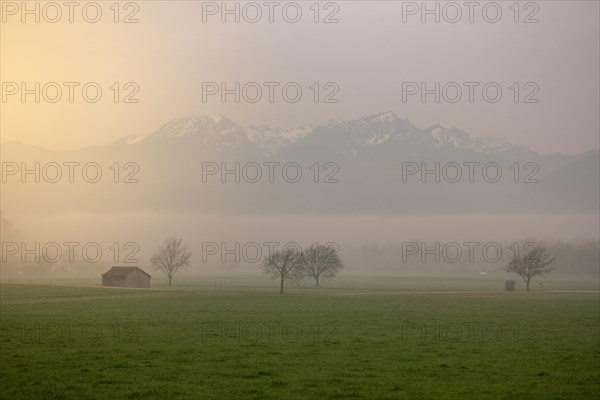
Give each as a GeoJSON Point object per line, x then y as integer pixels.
{"type": "Point", "coordinates": [198, 342]}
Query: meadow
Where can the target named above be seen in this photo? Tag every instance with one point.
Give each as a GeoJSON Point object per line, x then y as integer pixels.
{"type": "Point", "coordinates": [193, 341]}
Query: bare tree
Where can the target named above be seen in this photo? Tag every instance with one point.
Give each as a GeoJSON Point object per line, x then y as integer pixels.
{"type": "Point", "coordinates": [536, 261]}
{"type": "Point", "coordinates": [170, 257]}
{"type": "Point", "coordinates": [321, 262]}
{"type": "Point", "coordinates": [283, 265]}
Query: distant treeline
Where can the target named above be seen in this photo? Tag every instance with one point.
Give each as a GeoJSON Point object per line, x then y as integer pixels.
{"type": "Point", "coordinates": [572, 257]}
{"type": "Point", "coordinates": [577, 256]}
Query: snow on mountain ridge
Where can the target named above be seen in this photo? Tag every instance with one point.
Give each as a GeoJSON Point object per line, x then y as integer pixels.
{"type": "Point", "coordinates": [273, 139]}
{"type": "Point", "coordinates": [262, 131]}
{"type": "Point", "coordinates": [132, 139]}
{"type": "Point", "coordinates": [372, 130]}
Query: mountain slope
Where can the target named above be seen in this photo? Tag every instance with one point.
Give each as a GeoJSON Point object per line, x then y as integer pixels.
{"type": "Point", "coordinates": [351, 166]}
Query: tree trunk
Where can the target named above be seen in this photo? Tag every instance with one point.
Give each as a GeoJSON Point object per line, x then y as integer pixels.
{"type": "Point", "coordinates": [281, 287]}
{"type": "Point", "coordinates": [170, 277]}
{"type": "Point", "coordinates": [528, 286]}
{"type": "Point", "coordinates": [317, 278]}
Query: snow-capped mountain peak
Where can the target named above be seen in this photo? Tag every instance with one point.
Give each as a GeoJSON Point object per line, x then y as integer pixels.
{"type": "Point", "coordinates": [386, 116]}
{"type": "Point", "coordinates": [216, 118]}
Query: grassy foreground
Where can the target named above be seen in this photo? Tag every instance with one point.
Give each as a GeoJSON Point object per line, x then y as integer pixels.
{"type": "Point", "coordinates": [95, 343]}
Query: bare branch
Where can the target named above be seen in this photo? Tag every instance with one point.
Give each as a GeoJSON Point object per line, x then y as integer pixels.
{"type": "Point", "coordinates": [171, 257]}
{"type": "Point", "coordinates": [536, 261]}
{"type": "Point", "coordinates": [321, 262]}
{"type": "Point", "coordinates": [284, 265]}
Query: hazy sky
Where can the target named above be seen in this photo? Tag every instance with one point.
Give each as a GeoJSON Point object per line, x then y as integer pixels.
{"type": "Point", "coordinates": [369, 54]}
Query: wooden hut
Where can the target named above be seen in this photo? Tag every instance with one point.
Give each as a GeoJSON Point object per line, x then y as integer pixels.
{"type": "Point", "coordinates": [132, 277]}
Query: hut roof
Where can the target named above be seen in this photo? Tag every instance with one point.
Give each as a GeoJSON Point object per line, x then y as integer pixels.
{"type": "Point", "coordinates": [123, 271]}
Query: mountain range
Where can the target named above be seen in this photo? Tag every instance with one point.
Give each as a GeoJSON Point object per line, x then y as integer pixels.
{"type": "Point", "coordinates": [349, 137]}
{"type": "Point", "coordinates": [365, 156]}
